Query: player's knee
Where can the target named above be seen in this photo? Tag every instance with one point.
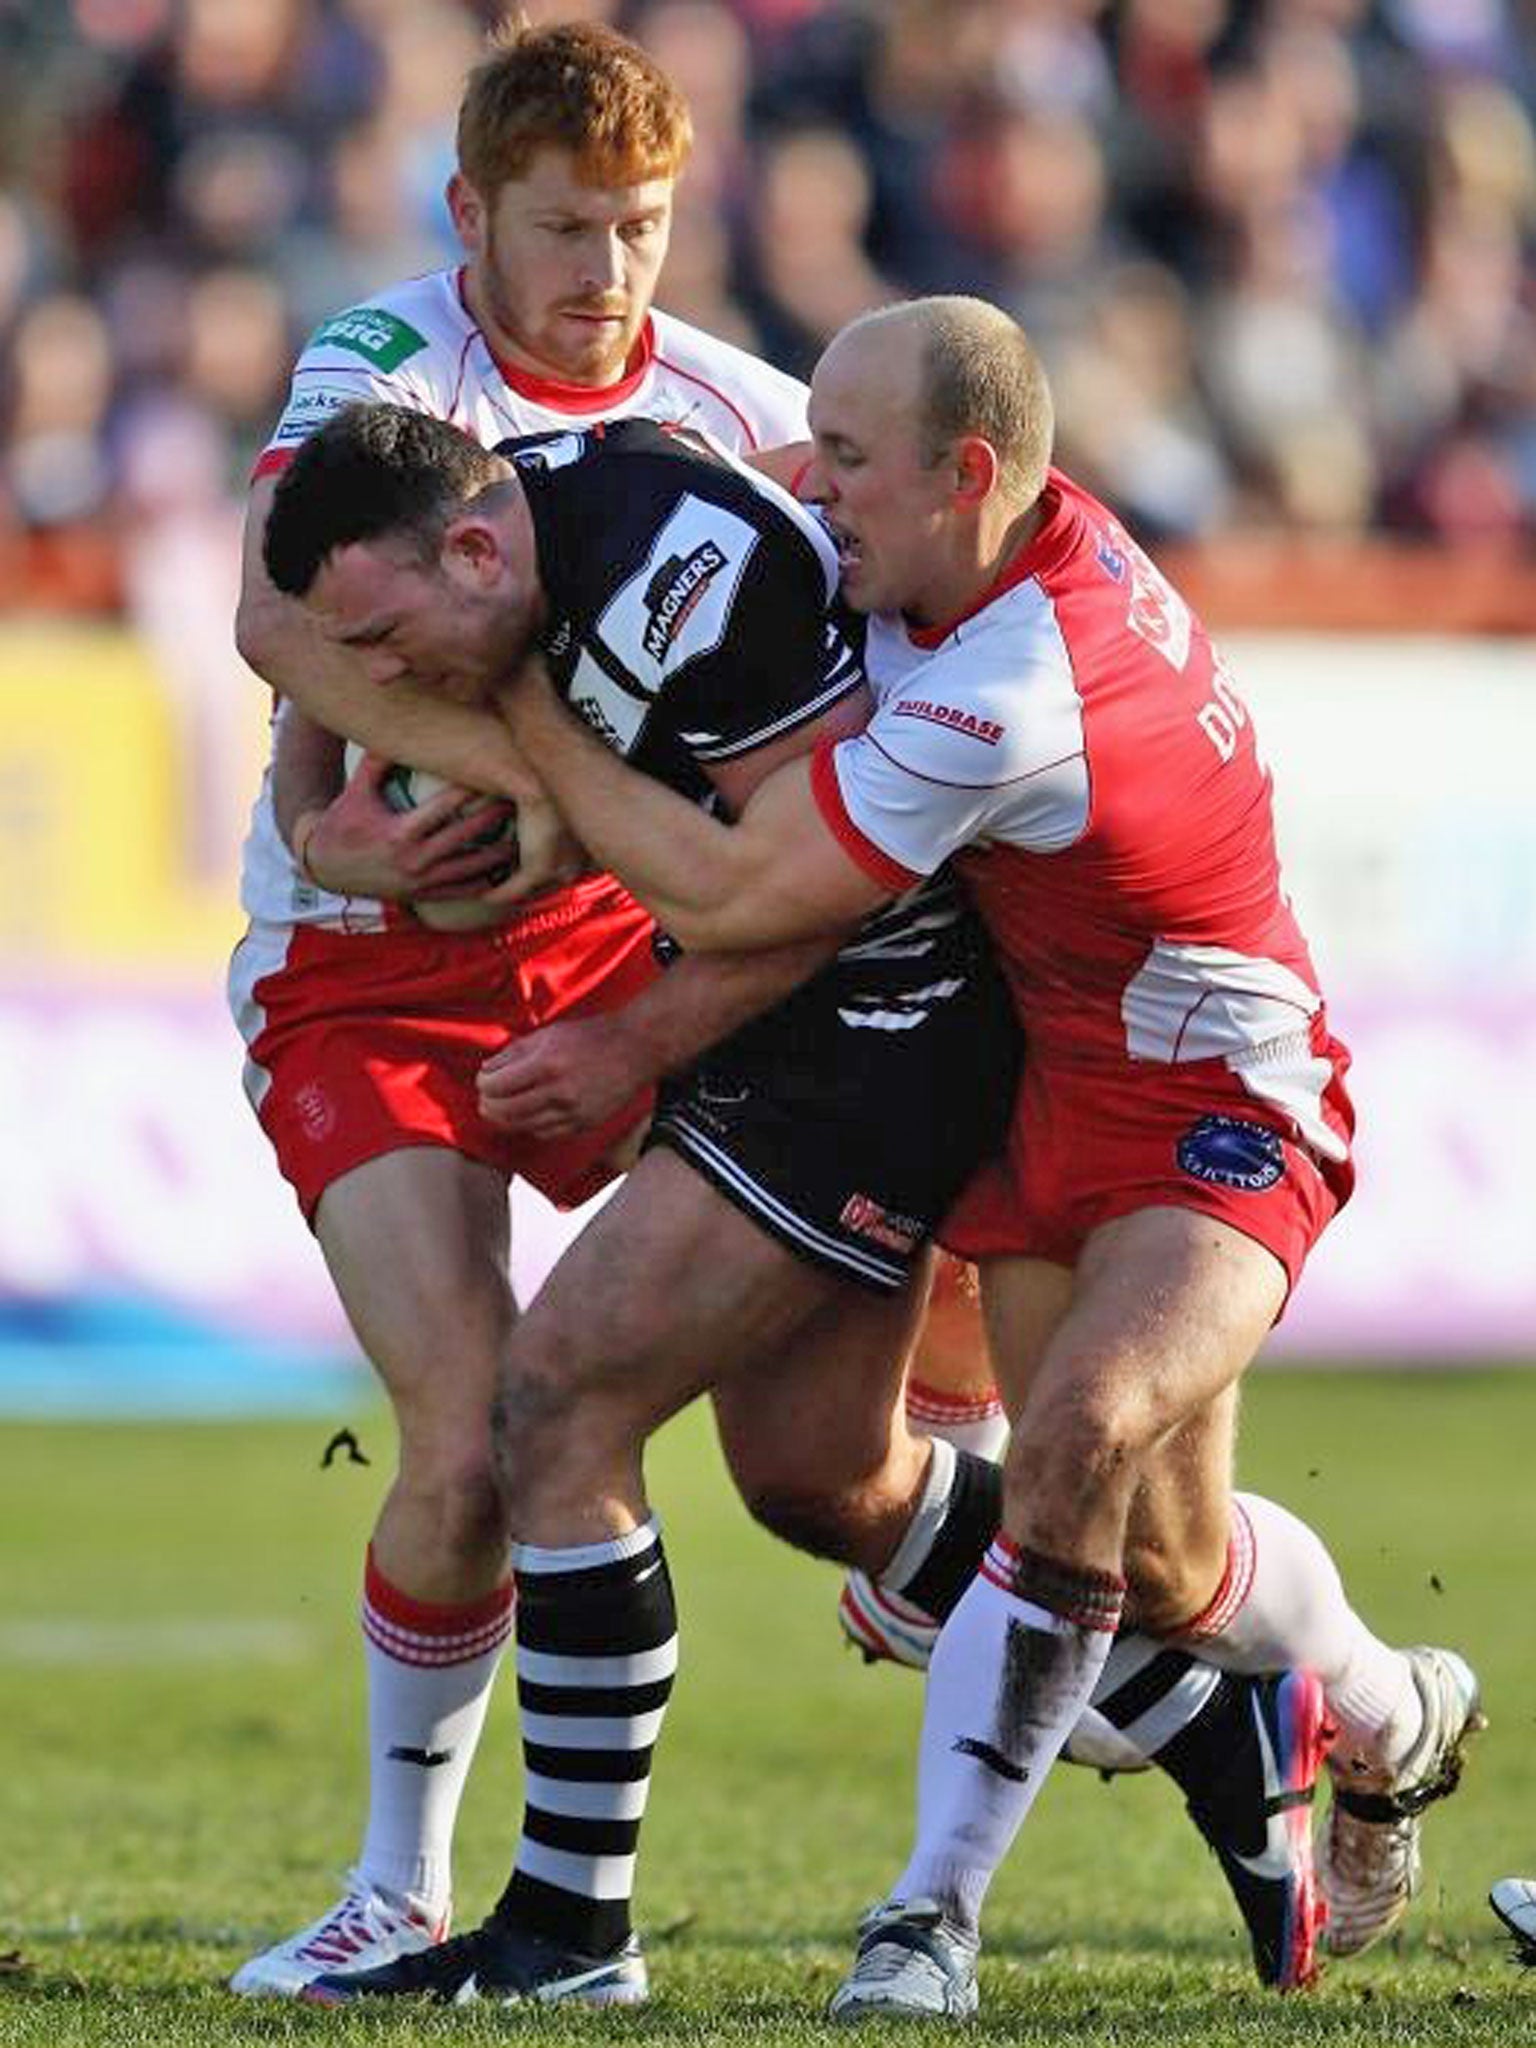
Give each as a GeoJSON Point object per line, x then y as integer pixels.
{"type": "Point", "coordinates": [557, 1421]}
{"type": "Point", "coordinates": [532, 1424]}
{"type": "Point", "coordinates": [1069, 1464]}
{"type": "Point", "coordinates": [473, 1516]}
{"type": "Point", "coordinates": [1086, 1434]}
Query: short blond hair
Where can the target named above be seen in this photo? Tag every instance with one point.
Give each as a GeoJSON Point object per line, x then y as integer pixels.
{"type": "Point", "coordinates": [579, 86]}
{"type": "Point", "coordinates": [978, 373]}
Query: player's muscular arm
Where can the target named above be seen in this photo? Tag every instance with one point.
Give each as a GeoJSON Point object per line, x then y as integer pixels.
{"type": "Point", "coordinates": [702, 998]}
{"type": "Point", "coordinates": [776, 875]}
{"type": "Point", "coordinates": [572, 1075]}
{"type": "Point", "coordinates": [403, 722]}
{"type": "Point", "coordinates": [307, 772]}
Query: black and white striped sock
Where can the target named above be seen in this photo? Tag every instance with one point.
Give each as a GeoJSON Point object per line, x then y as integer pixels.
{"type": "Point", "coordinates": [955, 1520]}
{"type": "Point", "coordinates": [1150, 1694]}
{"type": "Point", "coordinates": [596, 1654]}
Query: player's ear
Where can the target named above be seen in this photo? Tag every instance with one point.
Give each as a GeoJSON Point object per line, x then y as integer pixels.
{"type": "Point", "coordinates": [471, 548]}
{"type": "Point", "coordinates": [975, 470]}
{"type": "Point", "coordinates": [468, 212]}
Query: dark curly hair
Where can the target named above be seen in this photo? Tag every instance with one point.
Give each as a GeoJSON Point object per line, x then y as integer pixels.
{"type": "Point", "coordinates": [371, 470]}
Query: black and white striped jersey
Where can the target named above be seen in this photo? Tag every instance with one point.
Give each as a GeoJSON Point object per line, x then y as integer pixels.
{"type": "Point", "coordinates": [693, 616]}
{"type": "Point", "coordinates": [691, 602]}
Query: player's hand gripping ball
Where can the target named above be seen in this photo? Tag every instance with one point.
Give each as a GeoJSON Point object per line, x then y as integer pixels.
{"type": "Point", "coordinates": [407, 789]}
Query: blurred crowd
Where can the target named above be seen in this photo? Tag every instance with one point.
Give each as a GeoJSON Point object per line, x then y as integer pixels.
{"type": "Point", "coordinates": [1280, 255]}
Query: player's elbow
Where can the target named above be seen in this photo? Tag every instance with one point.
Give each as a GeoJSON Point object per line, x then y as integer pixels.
{"type": "Point", "coordinates": [259, 625]}
{"type": "Point", "coordinates": [699, 925]}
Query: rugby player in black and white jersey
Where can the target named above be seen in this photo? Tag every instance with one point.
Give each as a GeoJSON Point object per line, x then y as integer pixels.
{"type": "Point", "coordinates": [768, 1246]}
{"type": "Point", "coordinates": [685, 605]}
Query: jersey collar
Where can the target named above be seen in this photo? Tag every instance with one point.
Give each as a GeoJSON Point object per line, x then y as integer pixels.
{"type": "Point", "coordinates": [557, 396]}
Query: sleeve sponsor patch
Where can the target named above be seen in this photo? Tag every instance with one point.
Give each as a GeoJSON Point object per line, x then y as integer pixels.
{"type": "Point", "coordinates": [678, 607]}
{"type": "Point", "coordinates": [381, 338]}
{"type": "Point", "coordinates": [305, 411]}
{"type": "Point", "coordinates": [676, 590]}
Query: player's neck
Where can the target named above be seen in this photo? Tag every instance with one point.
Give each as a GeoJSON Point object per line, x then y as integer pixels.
{"type": "Point", "coordinates": [999, 545]}
{"type": "Point", "coordinates": [982, 563]}
{"type": "Point", "coordinates": [1015, 538]}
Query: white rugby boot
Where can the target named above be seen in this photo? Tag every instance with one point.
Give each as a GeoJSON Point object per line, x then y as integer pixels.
{"type": "Point", "coordinates": [1369, 1864]}
{"type": "Point", "coordinates": [912, 1964]}
{"type": "Point", "coordinates": [360, 1932]}
{"type": "Point", "coordinates": [1514, 1900]}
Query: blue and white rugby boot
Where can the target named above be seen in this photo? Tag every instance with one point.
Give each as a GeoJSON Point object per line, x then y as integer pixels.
{"type": "Point", "coordinates": [1255, 1811]}
{"type": "Point", "coordinates": [1514, 1900]}
{"type": "Point", "coordinates": [496, 1964]}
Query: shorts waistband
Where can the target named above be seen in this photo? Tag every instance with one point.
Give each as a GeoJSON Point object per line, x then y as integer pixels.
{"type": "Point", "coordinates": [562, 908]}
{"type": "Point", "coordinates": [547, 918]}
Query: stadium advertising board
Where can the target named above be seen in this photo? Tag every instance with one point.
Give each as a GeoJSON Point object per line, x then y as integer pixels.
{"type": "Point", "coordinates": [142, 1220]}
{"type": "Point", "coordinates": [139, 1206]}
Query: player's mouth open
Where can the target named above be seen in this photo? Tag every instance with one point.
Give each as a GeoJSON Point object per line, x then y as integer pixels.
{"type": "Point", "coordinates": [850, 553]}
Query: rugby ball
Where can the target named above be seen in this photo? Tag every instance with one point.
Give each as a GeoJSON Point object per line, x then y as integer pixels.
{"type": "Point", "coordinates": [405, 789]}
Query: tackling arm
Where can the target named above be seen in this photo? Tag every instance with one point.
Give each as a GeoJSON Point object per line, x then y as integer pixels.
{"type": "Point", "coordinates": [776, 875]}
{"type": "Point", "coordinates": [703, 997]}
{"type": "Point", "coordinates": [572, 1075]}
{"type": "Point", "coordinates": [466, 744]}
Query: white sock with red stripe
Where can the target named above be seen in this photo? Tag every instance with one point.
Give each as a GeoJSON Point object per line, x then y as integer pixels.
{"type": "Point", "coordinates": [430, 1672]}
{"type": "Point", "coordinates": [971, 1421]}
{"type": "Point", "coordinates": [1282, 1603]}
{"type": "Point", "coordinates": [1011, 1672]}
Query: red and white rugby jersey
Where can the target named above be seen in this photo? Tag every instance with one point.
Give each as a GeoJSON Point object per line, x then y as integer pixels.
{"type": "Point", "coordinates": [1075, 742]}
{"type": "Point", "coordinates": [417, 344]}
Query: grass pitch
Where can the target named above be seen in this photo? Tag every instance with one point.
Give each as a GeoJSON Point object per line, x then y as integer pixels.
{"type": "Point", "coordinates": [180, 1781]}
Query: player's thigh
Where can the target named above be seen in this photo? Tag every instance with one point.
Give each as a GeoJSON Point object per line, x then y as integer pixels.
{"type": "Point", "coordinates": [821, 1414]}
{"type": "Point", "coordinates": [416, 1243]}
{"type": "Point", "coordinates": [668, 1288]}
